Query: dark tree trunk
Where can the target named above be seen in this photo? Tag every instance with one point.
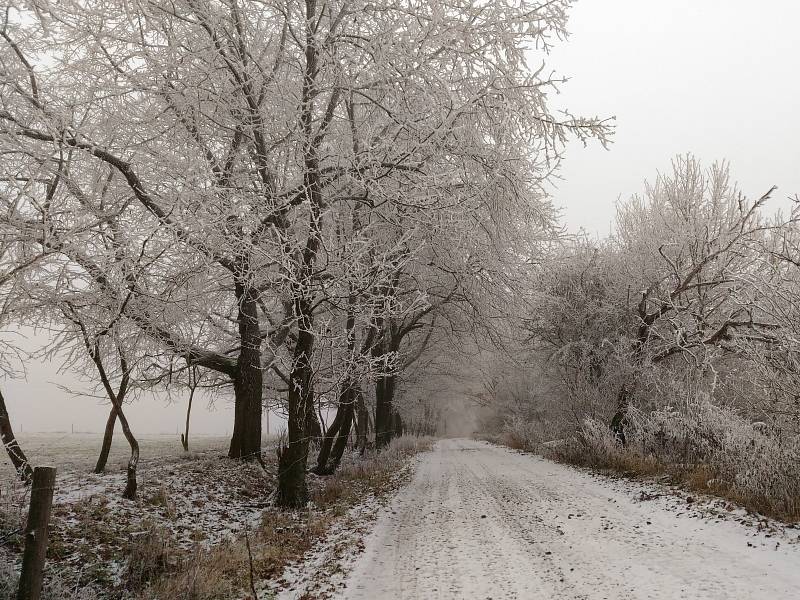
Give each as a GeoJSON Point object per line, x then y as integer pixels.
{"type": "Point", "coordinates": [335, 441]}
{"type": "Point", "coordinates": [192, 387]}
{"type": "Point", "coordinates": [247, 384]}
{"type": "Point", "coordinates": [108, 437]}
{"type": "Point", "coordinates": [339, 430]}
{"type": "Point", "coordinates": [619, 421]}
{"type": "Point", "coordinates": [15, 453]}
{"type": "Point", "coordinates": [341, 439]}
{"type": "Point", "coordinates": [292, 488]}
{"type": "Point", "coordinates": [327, 441]}
{"type": "Point", "coordinates": [130, 482]}
{"type": "Point", "coordinates": [362, 423]}
{"type": "Point", "coordinates": [117, 398]}
{"type": "Point", "coordinates": [314, 425]}
{"type": "Point", "coordinates": [397, 425]}
{"type": "Point", "coordinates": [384, 398]}
{"type": "Point", "coordinates": [185, 434]}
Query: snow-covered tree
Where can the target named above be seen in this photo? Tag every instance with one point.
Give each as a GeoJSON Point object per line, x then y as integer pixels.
{"type": "Point", "coordinates": [224, 137]}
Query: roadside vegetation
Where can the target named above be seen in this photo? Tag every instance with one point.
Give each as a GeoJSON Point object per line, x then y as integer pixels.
{"type": "Point", "coordinates": [160, 547]}
{"type": "Point", "coordinates": [670, 347]}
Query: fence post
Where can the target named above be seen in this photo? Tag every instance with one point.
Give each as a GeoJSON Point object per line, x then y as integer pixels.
{"type": "Point", "coordinates": [30, 580]}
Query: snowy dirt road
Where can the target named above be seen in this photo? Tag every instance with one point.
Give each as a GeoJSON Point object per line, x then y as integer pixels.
{"type": "Point", "coordinates": [480, 521]}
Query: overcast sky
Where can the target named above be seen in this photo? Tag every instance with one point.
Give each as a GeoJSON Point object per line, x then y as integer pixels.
{"type": "Point", "coordinates": [718, 78]}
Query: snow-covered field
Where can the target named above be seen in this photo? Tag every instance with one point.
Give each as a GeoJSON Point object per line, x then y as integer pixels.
{"type": "Point", "coordinates": [480, 521]}
{"type": "Point", "coordinates": [77, 452]}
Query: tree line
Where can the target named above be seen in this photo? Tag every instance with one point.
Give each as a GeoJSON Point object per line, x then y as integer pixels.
{"type": "Point", "coordinates": [287, 202]}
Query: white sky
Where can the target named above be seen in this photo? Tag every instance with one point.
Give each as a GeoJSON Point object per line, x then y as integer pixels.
{"type": "Point", "coordinates": [718, 78]}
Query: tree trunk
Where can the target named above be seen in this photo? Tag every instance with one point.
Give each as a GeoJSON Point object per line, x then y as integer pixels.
{"type": "Point", "coordinates": [15, 453]}
{"type": "Point", "coordinates": [247, 384]}
{"type": "Point", "coordinates": [356, 431]}
{"type": "Point", "coordinates": [362, 424]}
{"type": "Point", "coordinates": [133, 461]}
{"type": "Point", "coordinates": [397, 425]}
{"type": "Point", "coordinates": [314, 425]}
{"type": "Point", "coordinates": [339, 430]}
{"type": "Point", "coordinates": [384, 386]}
{"type": "Point", "coordinates": [117, 398]}
{"type": "Point", "coordinates": [108, 437]}
{"type": "Point", "coordinates": [384, 398]}
{"type": "Point", "coordinates": [341, 439]}
{"type": "Point", "coordinates": [335, 441]}
{"type": "Point", "coordinates": [31, 576]}
{"type": "Point", "coordinates": [327, 441]}
{"type": "Point", "coordinates": [192, 387]}
{"type": "Point", "coordinates": [618, 421]}
{"type": "Point", "coordinates": [292, 488]}
{"type": "Point", "coordinates": [185, 434]}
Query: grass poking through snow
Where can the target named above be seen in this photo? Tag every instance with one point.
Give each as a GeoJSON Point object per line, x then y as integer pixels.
{"type": "Point", "coordinates": [184, 537]}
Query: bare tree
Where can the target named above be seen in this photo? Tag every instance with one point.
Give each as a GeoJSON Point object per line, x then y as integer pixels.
{"type": "Point", "coordinates": [194, 381]}
{"type": "Point", "coordinates": [100, 354]}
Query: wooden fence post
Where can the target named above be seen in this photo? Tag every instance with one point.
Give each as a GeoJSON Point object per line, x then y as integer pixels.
{"type": "Point", "coordinates": [32, 576]}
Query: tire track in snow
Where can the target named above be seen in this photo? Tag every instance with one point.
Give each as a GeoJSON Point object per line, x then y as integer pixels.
{"type": "Point", "coordinates": [479, 521]}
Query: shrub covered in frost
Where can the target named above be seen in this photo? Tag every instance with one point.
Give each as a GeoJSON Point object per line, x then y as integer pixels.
{"type": "Point", "coordinates": [754, 462]}
{"type": "Point", "coordinates": [54, 586]}
{"type": "Point", "coordinates": [522, 434]}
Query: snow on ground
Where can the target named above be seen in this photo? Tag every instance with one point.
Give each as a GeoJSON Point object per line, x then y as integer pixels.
{"type": "Point", "coordinates": [480, 521]}
{"type": "Point", "coordinates": [200, 497]}
{"type": "Point", "coordinates": [322, 570]}
{"type": "Point", "coordinates": [77, 452]}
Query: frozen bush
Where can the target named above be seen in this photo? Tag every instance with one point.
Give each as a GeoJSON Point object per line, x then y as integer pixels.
{"type": "Point", "coordinates": [55, 588]}
{"type": "Point", "coordinates": [522, 435]}
{"type": "Point", "coordinates": [408, 445]}
{"type": "Point", "coordinates": [754, 463]}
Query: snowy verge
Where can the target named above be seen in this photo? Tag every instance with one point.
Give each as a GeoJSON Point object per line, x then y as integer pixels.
{"type": "Point", "coordinates": [662, 492]}
{"type": "Point", "coordinates": [481, 521]}
{"type": "Point", "coordinates": [322, 571]}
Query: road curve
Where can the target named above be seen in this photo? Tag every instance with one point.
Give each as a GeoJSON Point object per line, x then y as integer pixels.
{"type": "Point", "coordinates": [480, 521]}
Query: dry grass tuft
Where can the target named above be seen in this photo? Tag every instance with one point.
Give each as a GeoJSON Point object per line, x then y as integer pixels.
{"type": "Point", "coordinates": [55, 587]}
{"type": "Point", "coordinates": [714, 452]}
{"type": "Point", "coordinates": [223, 571]}
{"type": "Point", "coordinates": [8, 581]}
{"type": "Point", "coordinates": [151, 555]}
{"type": "Point", "coordinates": [161, 498]}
